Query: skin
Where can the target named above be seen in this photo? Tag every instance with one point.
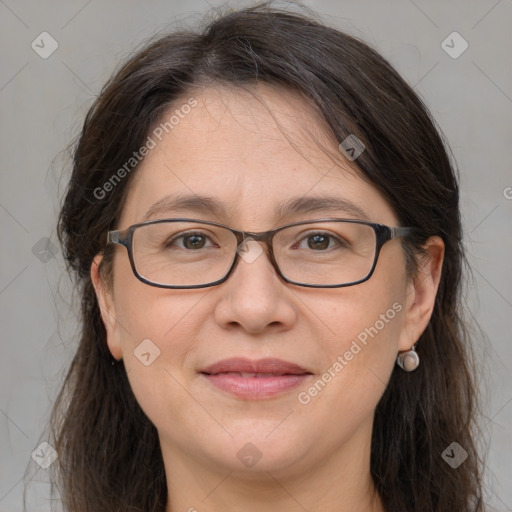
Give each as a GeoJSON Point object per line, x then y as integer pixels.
{"type": "Point", "coordinates": [314, 456]}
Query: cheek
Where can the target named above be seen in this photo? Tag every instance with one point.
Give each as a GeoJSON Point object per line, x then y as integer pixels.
{"type": "Point", "coordinates": [363, 332]}
{"type": "Point", "coordinates": [362, 325]}
{"type": "Point", "coordinates": [158, 330]}
{"type": "Point", "coordinates": [358, 361]}
{"type": "Point", "coordinates": [164, 323]}
{"type": "Point", "coordinates": [148, 312]}
{"type": "Point", "coordinates": [362, 313]}
{"type": "Point", "coordinates": [156, 350]}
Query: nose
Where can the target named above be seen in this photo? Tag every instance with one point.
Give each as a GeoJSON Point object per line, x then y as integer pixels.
{"type": "Point", "coordinates": [254, 297]}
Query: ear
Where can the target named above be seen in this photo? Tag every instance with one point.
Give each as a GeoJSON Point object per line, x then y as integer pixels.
{"type": "Point", "coordinates": [421, 293]}
{"type": "Point", "coordinates": [107, 307]}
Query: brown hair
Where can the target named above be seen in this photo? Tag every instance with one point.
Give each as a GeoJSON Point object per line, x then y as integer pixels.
{"type": "Point", "coordinates": [109, 454]}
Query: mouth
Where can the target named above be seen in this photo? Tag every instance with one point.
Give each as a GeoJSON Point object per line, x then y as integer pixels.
{"type": "Point", "coordinates": [255, 379]}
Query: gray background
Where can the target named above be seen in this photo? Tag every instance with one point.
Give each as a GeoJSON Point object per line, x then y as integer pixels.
{"type": "Point", "coordinates": [43, 104]}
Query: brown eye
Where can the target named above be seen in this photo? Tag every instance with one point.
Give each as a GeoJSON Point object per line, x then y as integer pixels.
{"type": "Point", "coordinates": [190, 241]}
{"type": "Point", "coordinates": [318, 242]}
{"type": "Point", "coordinates": [194, 241]}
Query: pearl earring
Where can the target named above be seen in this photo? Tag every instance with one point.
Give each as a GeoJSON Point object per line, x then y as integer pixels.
{"type": "Point", "coordinates": [408, 360]}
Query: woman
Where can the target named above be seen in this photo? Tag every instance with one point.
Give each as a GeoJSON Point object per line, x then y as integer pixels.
{"type": "Point", "coordinates": [264, 225]}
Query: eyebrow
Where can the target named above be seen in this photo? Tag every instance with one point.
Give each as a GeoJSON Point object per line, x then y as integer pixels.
{"type": "Point", "coordinates": [199, 204]}
{"type": "Point", "coordinates": [315, 204]}
{"type": "Point", "coordinates": [209, 206]}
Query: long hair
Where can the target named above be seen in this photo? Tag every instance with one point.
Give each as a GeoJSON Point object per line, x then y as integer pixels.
{"type": "Point", "coordinates": [109, 457]}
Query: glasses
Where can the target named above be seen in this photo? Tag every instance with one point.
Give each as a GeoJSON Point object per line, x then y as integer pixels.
{"type": "Point", "coordinates": [189, 253]}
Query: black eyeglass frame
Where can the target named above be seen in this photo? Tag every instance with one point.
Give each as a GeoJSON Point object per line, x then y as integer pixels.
{"type": "Point", "coordinates": [383, 234]}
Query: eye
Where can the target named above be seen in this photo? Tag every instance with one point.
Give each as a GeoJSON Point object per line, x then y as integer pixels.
{"type": "Point", "coordinates": [321, 241]}
{"type": "Point", "coordinates": [189, 241]}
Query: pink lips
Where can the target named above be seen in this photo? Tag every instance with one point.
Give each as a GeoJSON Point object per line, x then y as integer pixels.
{"type": "Point", "coordinates": [255, 379]}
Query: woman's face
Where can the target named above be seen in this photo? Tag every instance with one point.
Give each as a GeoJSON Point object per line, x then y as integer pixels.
{"type": "Point", "coordinates": [228, 148]}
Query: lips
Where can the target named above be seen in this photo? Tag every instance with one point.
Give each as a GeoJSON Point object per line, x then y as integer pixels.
{"type": "Point", "coordinates": [255, 379]}
{"type": "Point", "coordinates": [258, 368]}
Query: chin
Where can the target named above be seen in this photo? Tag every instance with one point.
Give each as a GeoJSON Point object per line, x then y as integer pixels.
{"type": "Point", "coordinates": [254, 454]}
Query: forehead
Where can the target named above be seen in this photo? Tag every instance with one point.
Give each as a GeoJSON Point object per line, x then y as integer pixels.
{"type": "Point", "coordinates": [251, 153]}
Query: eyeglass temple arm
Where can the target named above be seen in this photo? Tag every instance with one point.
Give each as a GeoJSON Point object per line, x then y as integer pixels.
{"type": "Point", "coordinates": [400, 231]}
{"type": "Point", "coordinates": [114, 237]}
